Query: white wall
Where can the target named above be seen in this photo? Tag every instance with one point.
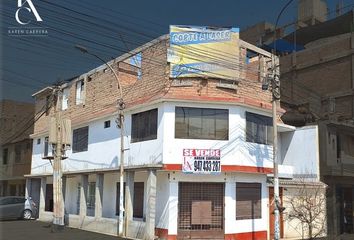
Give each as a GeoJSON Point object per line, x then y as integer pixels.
{"type": "Point", "coordinates": [300, 150]}
{"type": "Point", "coordinates": [104, 145]}
{"type": "Point", "coordinates": [231, 224]}
{"type": "Point", "coordinates": [162, 200]}
{"type": "Point", "coordinates": [104, 148]}
{"type": "Point", "coordinates": [109, 195]}
{"type": "Point", "coordinates": [235, 151]}
{"type": "Point", "coordinates": [71, 195]}
{"type": "Point", "coordinates": [146, 152]}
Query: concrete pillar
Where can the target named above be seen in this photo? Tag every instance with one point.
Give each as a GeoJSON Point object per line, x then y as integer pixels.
{"type": "Point", "coordinates": [151, 206]}
{"type": "Point", "coordinates": [99, 195]}
{"type": "Point", "coordinates": [28, 187]}
{"type": "Point", "coordinates": [332, 219]}
{"type": "Point", "coordinates": [83, 195]}
{"type": "Point", "coordinates": [129, 199]}
{"type": "Point", "coordinates": [42, 195]}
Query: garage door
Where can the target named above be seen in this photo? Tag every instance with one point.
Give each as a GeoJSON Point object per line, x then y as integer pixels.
{"type": "Point", "coordinates": [201, 210]}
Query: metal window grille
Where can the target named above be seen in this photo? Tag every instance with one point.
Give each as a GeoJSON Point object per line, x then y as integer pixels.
{"type": "Point", "coordinates": [201, 209]}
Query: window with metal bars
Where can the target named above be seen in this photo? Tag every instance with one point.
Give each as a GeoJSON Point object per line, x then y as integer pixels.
{"type": "Point", "coordinates": [192, 198]}
{"type": "Point", "coordinates": [144, 126]}
{"type": "Point", "coordinates": [80, 140]}
{"type": "Point", "coordinates": [201, 123]}
{"type": "Point", "coordinates": [259, 129]}
{"type": "Point", "coordinates": [248, 201]}
{"type": "Point", "coordinates": [138, 201]}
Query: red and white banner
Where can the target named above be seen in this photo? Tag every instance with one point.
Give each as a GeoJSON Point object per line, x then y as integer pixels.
{"type": "Point", "coordinates": [201, 161]}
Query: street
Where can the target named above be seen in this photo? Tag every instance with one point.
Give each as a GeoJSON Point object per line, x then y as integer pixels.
{"type": "Point", "coordinates": [24, 230]}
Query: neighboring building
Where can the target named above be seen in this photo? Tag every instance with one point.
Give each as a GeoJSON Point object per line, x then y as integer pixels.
{"type": "Point", "coordinates": [317, 86]}
{"type": "Point", "coordinates": [16, 120]}
{"type": "Point", "coordinates": [172, 125]}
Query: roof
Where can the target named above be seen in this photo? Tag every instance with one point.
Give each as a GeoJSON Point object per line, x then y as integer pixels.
{"type": "Point", "coordinates": [333, 27]}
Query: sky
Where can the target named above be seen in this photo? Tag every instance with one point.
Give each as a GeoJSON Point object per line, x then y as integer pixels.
{"type": "Point", "coordinates": [108, 28]}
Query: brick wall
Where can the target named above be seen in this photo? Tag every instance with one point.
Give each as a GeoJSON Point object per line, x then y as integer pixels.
{"type": "Point", "coordinates": [14, 117]}
{"type": "Point", "coordinates": [101, 89]}
{"type": "Point", "coordinates": [16, 120]}
{"type": "Point", "coordinates": [319, 73]}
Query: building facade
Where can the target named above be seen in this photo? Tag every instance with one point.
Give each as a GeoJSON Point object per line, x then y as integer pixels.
{"type": "Point", "coordinates": [16, 120]}
{"type": "Point", "coordinates": [318, 87]}
{"type": "Point", "coordinates": [198, 151]}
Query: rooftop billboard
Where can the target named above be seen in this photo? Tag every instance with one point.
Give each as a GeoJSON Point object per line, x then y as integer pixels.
{"type": "Point", "coordinates": [203, 51]}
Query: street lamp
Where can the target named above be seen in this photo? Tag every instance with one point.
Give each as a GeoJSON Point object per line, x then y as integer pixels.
{"type": "Point", "coordinates": [121, 107]}
{"type": "Point", "coordinates": [275, 101]}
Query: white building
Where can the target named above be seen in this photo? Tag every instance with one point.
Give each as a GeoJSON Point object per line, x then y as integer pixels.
{"type": "Point", "coordinates": [197, 156]}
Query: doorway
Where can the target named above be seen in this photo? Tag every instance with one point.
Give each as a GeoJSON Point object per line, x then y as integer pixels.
{"type": "Point", "coordinates": [201, 210]}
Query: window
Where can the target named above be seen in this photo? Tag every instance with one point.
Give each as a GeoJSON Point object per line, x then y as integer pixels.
{"type": "Point", "coordinates": [80, 139]}
{"type": "Point", "coordinates": [65, 99]}
{"type": "Point", "coordinates": [49, 203]}
{"type": "Point", "coordinates": [5, 156]}
{"type": "Point", "coordinates": [17, 153]}
{"type": "Point", "coordinates": [107, 124]}
{"type": "Point", "coordinates": [80, 92]}
{"type": "Point", "coordinates": [346, 143]}
{"type": "Point", "coordinates": [138, 202]}
{"type": "Point", "coordinates": [248, 201]}
{"type": "Point", "coordinates": [38, 141]}
{"type": "Point", "coordinates": [259, 129]}
{"type": "Point", "coordinates": [91, 192]}
{"type": "Point", "coordinates": [202, 123]}
{"type": "Point", "coordinates": [144, 126]}
{"type": "Point", "coordinates": [136, 61]}
{"type": "Point", "coordinates": [46, 146]}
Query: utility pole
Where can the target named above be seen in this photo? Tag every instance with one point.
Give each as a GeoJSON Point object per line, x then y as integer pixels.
{"type": "Point", "coordinates": [275, 102]}
{"type": "Point", "coordinates": [121, 107]}
{"type": "Point", "coordinates": [121, 180]}
{"type": "Point", "coordinates": [58, 211]}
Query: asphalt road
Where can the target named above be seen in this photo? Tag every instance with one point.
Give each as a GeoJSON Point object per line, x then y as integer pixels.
{"type": "Point", "coordinates": [36, 230]}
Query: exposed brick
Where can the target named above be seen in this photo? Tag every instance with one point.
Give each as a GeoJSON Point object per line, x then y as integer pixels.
{"type": "Point", "coordinates": [102, 93]}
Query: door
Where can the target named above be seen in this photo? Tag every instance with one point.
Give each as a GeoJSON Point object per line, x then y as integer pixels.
{"type": "Point", "coordinates": [201, 210]}
{"type": "Point", "coordinates": [346, 210]}
{"type": "Point", "coordinates": [271, 213]}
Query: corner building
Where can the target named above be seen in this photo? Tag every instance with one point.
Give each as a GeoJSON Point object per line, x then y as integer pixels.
{"type": "Point", "coordinates": [198, 150]}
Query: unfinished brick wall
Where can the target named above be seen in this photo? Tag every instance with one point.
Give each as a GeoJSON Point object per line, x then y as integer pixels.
{"type": "Point", "coordinates": [319, 73]}
{"type": "Point", "coordinates": [14, 117]}
{"type": "Point", "coordinates": [102, 94]}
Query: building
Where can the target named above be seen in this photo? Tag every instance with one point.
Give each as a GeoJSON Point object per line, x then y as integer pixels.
{"type": "Point", "coordinates": [317, 88]}
{"type": "Point", "coordinates": [198, 157]}
{"type": "Point", "coordinates": [318, 85]}
{"type": "Point", "coordinates": [16, 119]}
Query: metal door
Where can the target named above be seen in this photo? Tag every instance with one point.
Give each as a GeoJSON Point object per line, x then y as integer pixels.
{"type": "Point", "coordinates": [201, 210]}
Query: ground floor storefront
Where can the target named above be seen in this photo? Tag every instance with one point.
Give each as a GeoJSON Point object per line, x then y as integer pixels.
{"type": "Point", "coordinates": [167, 204]}
{"type": "Point", "coordinates": [340, 206]}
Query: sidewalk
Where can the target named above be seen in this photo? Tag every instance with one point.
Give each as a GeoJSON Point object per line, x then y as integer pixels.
{"type": "Point", "coordinates": [32, 230]}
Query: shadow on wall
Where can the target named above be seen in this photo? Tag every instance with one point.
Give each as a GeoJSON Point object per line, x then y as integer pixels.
{"type": "Point", "coordinates": [251, 151]}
